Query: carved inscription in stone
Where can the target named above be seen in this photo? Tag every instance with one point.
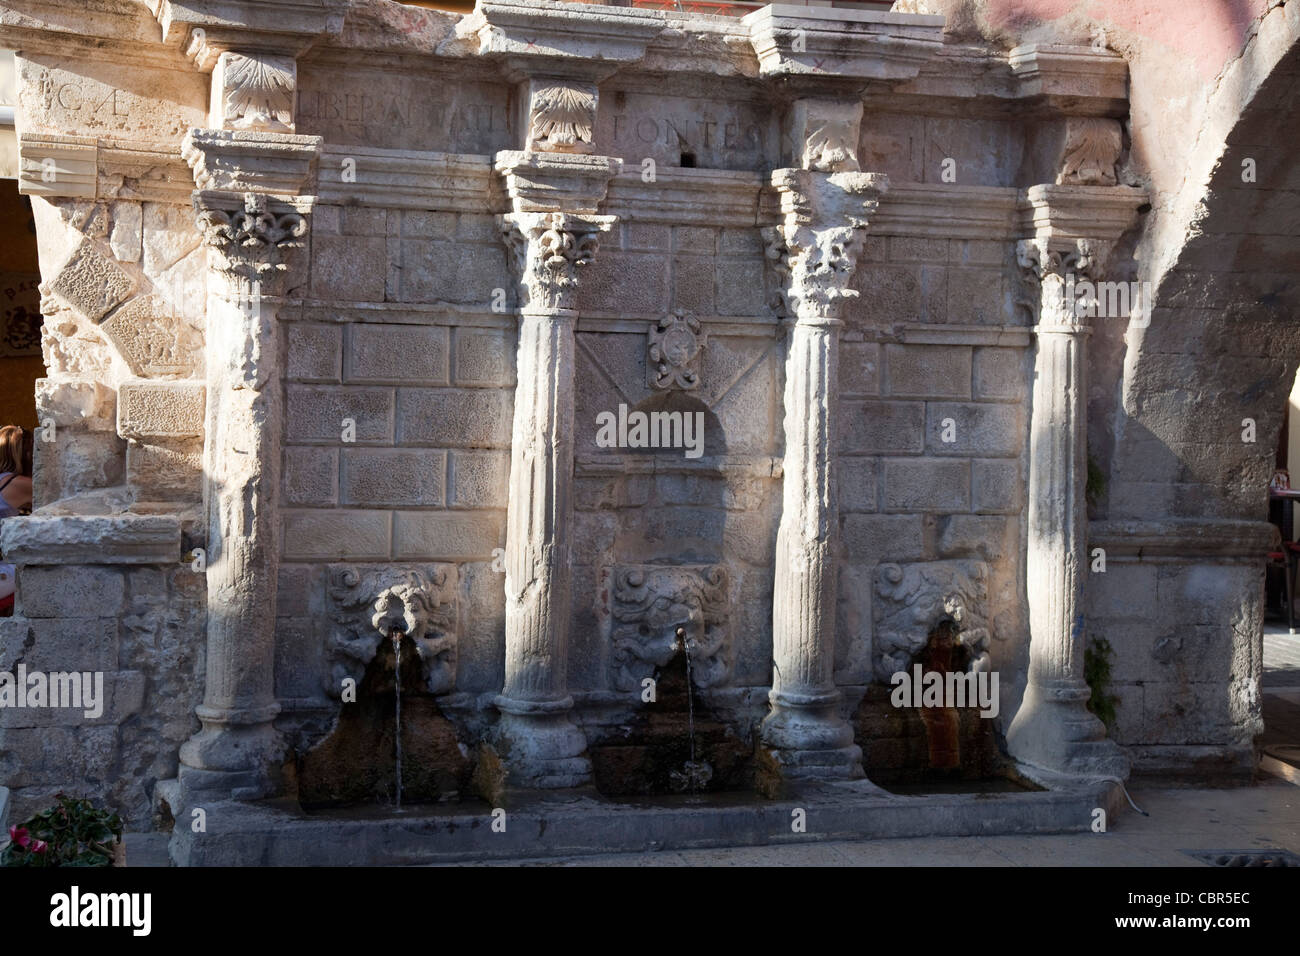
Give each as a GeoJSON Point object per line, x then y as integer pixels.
{"type": "Point", "coordinates": [152, 341]}
{"type": "Point", "coordinates": [683, 132]}
{"type": "Point", "coordinates": [91, 282]}
{"type": "Point", "coordinates": [403, 111]}
{"type": "Point", "coordinates": [90, 97]}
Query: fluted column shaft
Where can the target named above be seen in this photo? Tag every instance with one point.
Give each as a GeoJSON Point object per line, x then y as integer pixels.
{"type": "Point", "coordinates": [1053, 728]}
{"type": "Point", "coordinates": [248, 235]}
{"type": "Point", "coordinates": [542, 746]}
{"type": "Point", "coordinates": [824, 218]}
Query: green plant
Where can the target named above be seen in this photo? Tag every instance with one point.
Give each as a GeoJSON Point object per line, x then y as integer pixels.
{"type": "Point", "coordinates": [1095, 489]}
{"type": "Point", "coordinates": [1096, 672]}
{"type": "Point", "coordinates": [70, 833]}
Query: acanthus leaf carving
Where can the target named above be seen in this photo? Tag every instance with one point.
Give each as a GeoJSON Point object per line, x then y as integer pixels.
{"type": "Point", "coordinates": [643, 606]}
{"type": "Point", "coordinates": [1049, 269]}
{"type": "Point", "coordinates": [822, 229]}
{"type": "Point", "coordinates": [674, 349]}
{"type": "Point", "coordinates": [913, 599]}
{"type": "Point", "coordinates": [368, 603]}
{"type": "Point", "coordinates": [561, 118]}
{"type": "Point", "coordinates": [548, 248]}
{"type": "Point", "coordinates": [249, 233]}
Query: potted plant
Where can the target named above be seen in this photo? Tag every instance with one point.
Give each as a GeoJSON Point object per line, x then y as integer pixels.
{"type": "Point", "coordinates": [70, 833]}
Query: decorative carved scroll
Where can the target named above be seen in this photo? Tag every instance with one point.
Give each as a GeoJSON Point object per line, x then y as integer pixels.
{"type": "Point", "coordinates": [644, 605]}
{"type": "Point", "coordinates": [674, 350]}
{"type": "Point", "coordinates": [367, 603]}
{"type": "Point", "coordinates": [913, 599]}
{"type": "Point", "coordinates": [1046, 265]}
{"type": "Point", "coordinates": [248, 232]}
{"type": "Point", "coordinates": [548, 248]}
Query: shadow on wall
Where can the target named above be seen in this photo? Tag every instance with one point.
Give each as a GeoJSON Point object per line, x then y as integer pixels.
{"type": "Point", "coordinates": [20, 309]}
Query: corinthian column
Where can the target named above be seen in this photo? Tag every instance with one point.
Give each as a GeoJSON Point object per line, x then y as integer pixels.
{"type": "Point", "coordinates": [1054, 728]}
{"type": "Point", "coordinates": [824, 209]}
{"type": "Point", "coordinates": [543, 747]}
{"type": "Point", "coordinates": [247, 237]}
{"type": "Point", "coordinates": [250, 170]}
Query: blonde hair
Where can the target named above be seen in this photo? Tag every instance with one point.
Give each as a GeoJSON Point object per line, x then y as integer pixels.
{"type": "Point", "coordinates": [11, 449]}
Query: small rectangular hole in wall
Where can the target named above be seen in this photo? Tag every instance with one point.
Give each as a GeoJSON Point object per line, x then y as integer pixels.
{"type": "Point", "coordinates": [688, 161]}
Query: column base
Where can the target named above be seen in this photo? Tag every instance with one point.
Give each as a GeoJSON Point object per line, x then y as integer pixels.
{"type": "Point", "coordinates": [236, 756]}
{"type": "Point", "coordinates": [1055, 730]}
{"type": "Point", "coordinates": [541, 747]}
{"type": "Point", "coordinates": [810, 740]}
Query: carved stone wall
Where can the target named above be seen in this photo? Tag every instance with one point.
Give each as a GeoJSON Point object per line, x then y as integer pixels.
{"type": "Point", "coordinates": [666, 216]}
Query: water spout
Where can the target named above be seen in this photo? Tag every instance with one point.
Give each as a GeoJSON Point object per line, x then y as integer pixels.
{"type": "Point", "coordinates": [696, 774]}
{"type": "Point", "coordinates": [395, 635]}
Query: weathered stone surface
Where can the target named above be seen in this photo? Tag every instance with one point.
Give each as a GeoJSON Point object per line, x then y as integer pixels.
{"type": "Point", "coordinates": [91, 283]}
{"type": "Point", "coordinates": [153, 340]}
{"type": "Point", "coordinates": [461, 267]}
{"type": "Point", "coordinates": [92, 539]}
{"type": "Point", "coordinates": [160, 410]}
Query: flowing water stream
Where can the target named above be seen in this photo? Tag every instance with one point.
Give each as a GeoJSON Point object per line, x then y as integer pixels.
{"type": "Point", "coordinates": [396, 636]}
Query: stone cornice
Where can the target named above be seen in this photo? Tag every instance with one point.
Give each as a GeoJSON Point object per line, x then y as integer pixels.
{"type": "Point", "coordinates": [945, 211]}
{"type": "Point", "coordinates": [93, 539]}
{"type": "Point", "coordinates": [821, 42]}
{"type": "Point", "coordinates": [86, 167]}
{"type": "Point", "coordinates": [278, 163]}
{"type": "Point", "coordinates": [556, 182]}
{"type": "Point", "coordinates": [205, 29]}
{"type": "Point", "coordinates": [408, 179]}
{"type": "Point", "coordinates": [574, 40]}
{"type": "Point", "coordinates": [78, 28]}
{"type": "Point", "coordinates": [1057, 72]}
{"type": "Point", "coordinates": [1182, 539]}
{"type": "Point", "coordinates": [1078, 212]}
{"type": "Point", "coordinates": [717, 197]}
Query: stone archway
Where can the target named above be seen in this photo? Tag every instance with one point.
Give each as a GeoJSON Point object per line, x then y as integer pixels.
{"type": "Point", "coordinates": [1182, 512]}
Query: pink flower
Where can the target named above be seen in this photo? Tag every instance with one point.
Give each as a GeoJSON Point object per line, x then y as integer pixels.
{"type": "Point", "coordinates": [39, 846]}
{"type": "Point", "coordinates": [19, 836]}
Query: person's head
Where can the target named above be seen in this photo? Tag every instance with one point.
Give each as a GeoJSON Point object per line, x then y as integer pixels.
{"type": "Point", "coordinates": [15, 450]}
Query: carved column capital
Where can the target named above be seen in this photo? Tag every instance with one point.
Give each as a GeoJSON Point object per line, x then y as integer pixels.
{"type": "Point", "coordinates": [814, 247]}
{"type": "Point", "coordinates": [548, 248]}
{"type": "Point", "coordinates": [1059, 276]}
{"type": "Point", "coordinates": [249, 235]}
{"type": "Point", "coordinates": [1043, 258]}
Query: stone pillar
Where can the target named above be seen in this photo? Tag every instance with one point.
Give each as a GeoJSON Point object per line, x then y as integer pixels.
{"type": "Point", "coordinates": [552, 232]}
{"type": "Point", "coordinates": [1054, 728]}
{"type": "Point", "coordinates": [824, 210]}
{"type": "Point", "coordinates": [249, 175]}
{"type": "Point", "coordinates": [247, 235]}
